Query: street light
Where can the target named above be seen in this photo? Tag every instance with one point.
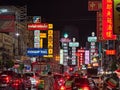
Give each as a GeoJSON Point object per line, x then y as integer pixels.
{"type": "Point", "coordinates": [65, 35]}
{"type": "Point", "coordinates": [17, 34]}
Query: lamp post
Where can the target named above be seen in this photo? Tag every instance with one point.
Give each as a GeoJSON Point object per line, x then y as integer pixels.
{"type": "Point", "coordinates": [17, 43]}
{"type": "Point", "coordinates": [17, 34]}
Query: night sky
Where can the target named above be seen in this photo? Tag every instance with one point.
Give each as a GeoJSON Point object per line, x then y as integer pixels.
{"type": "Point", "coordinates": [68, 16]}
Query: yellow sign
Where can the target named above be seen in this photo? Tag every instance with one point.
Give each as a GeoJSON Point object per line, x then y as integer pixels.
{"type": "Point", "coordinates": [50, 26]}
{"type": "Point", "coordinates": [41, 43]}
{"type": "Point", "coordinates": [48, 56]}
{"type": "Point", "coordinates": [50, 42]}
{"type": "Point", "coordinates": [43, 35]}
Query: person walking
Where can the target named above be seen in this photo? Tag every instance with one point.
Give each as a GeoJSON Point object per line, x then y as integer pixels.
{"type": "Point", "coordinates": [49, 82]}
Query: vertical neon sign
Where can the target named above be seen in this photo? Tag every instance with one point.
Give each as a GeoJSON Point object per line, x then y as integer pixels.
{"type": "Point", "coordinates": [107, 20]}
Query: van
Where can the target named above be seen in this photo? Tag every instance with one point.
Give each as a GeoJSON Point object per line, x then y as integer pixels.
{"type": "Point", "coordinates": [33, 78]}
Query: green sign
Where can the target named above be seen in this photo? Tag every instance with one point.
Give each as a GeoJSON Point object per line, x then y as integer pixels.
{"type": "Point", "coordinates": [92, 39]}
{"type": "Point", "coordinates": [73, 44]}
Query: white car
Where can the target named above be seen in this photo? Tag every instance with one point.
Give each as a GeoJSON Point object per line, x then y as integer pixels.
{"type": "Point", "coordinates": [33, 78]}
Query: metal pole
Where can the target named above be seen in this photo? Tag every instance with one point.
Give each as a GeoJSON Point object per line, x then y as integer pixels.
{"type": "Point", "coordinates": [101, 60]}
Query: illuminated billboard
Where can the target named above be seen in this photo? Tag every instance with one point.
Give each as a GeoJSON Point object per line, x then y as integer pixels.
{"type": "Point", "coordinates": [7, 23]}
{"type": "Point", "coordinates": [80, 56]}
{"type": "Point", "coordinates": [87, 57]}
{"type": "Point", "coordinates": [43, 35]}
{"type": "Point", "coordinates": [94, 5]}
{"type": "Point", "coordinates": [110, 52]}
{"type": "Point", "coordinates": [38, 26]}
{"type": "Point", "coordinates": [50, 43]}
{"type": "Point", "coordinates": [107, 20]}
{"type": "Point", "coordinates": [99, 27]}
{"type": "Point", "coordinates": [36, 51]}
{"type": "Point", "coordinates": [36, 20]}
{"type": "Point", "coordinates": [61, 56]}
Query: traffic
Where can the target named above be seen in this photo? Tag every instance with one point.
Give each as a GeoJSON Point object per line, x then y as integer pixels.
{"type": "Point", "coordinates": [10, 80]}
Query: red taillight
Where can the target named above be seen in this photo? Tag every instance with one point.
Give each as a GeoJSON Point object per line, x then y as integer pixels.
{"type": "Point", "coordinates": [68, 77]}
{"type": "Point", "coordinates": [62, 88]}
{"type": "Point", "coordinates": [7, 79]}
{"type": "Point", "coordinates": [37, 82]}
{"type": "Point", "coordinates": [86, 88]}
{"type": "Point", "coordinates": [61, 80]}
{"type": "Point", "coordinates": [16, 82]}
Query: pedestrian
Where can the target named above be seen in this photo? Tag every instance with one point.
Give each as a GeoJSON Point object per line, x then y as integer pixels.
{"type": "Point", "coordinates": [49, 82]}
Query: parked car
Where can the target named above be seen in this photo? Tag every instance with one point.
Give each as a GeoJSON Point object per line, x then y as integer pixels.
{"type": "Point", "coordinates": [59, 81]}
{"type": "Point", "coordinates": [83, 84]}
{"type": "Point", "coordinates": [33, 78]}
{"type": "Point", "coordinates": [4, 81]}
{"type": "Point", "coordinates": [17, 82]}
{"type": "Point", "coordinates": [9, 73]}
{"type": "Point", "coordinates": [93, 85]}
{"type": "Point", "coordinates": [27, 83]}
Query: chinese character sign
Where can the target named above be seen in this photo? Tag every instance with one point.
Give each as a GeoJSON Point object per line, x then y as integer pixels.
{"type": "Point", "coordinates": [107, 20]}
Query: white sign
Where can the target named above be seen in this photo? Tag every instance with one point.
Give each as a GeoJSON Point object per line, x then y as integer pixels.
{"type": "Point", "coordinates": [73, 44]}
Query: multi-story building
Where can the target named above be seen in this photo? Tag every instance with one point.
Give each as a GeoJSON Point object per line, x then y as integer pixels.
{"type": "Point", "coordinates": [13, 31]}
{"type": "Point", "coordinates": [56, 51]}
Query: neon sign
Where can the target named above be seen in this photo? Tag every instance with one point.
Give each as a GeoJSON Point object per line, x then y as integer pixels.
{"type": "Point", "coordinates": [107, 20]}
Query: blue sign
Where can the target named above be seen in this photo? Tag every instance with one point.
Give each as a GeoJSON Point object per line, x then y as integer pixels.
{"type": "Point", "coordinates": [27, 68]}
{"type": "Point", "coordinates": [37, 51]}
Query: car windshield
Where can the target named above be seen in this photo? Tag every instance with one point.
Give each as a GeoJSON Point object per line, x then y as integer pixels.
{"type": "Point", "coordinates": [3, 77]}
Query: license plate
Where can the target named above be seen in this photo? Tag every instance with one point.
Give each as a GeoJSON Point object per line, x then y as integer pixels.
{"type": "Point", "coordinates": [80, 89]}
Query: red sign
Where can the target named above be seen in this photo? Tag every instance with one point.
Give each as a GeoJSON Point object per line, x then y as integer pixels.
{"type": "Point", "coordinates": [107, 20]}
{"type": "Point", "coordinates": [99, 27]}
{"type": "Point", "coordinates": [80, 56]}
{"type": "Point", "coordinates": [38, 26]}
{"type": "Point", "coordinates": [110, 52]}
{"type": "Point", "coordinates": [94, 5]}
{"type": "Point", "coordinates": [81, 50]}
{"type": "Point", "coordinates": [7, 23]}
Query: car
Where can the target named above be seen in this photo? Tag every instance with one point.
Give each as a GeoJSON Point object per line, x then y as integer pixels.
{"type": "Point", "coordinates": [9, 73]}
{"type": "Point", "coordinates": [68, 82]}
{"type": "Point", "coordinates": [93, 85]}
{"type": "Point", "coordinates": [59, 81]}
{"type": "Point", "coordinates": [4, 80]}
{"type": "Point", "coordinates": [81, 83]}
{"type": "Point", "coordinates": [27, 83]}
{"type": "Point", "coordinates": [96, 79]}
{"type": "Point", "coordinates": [33, 78]}
{"type": "Point", "coordinates": [17, 82]}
